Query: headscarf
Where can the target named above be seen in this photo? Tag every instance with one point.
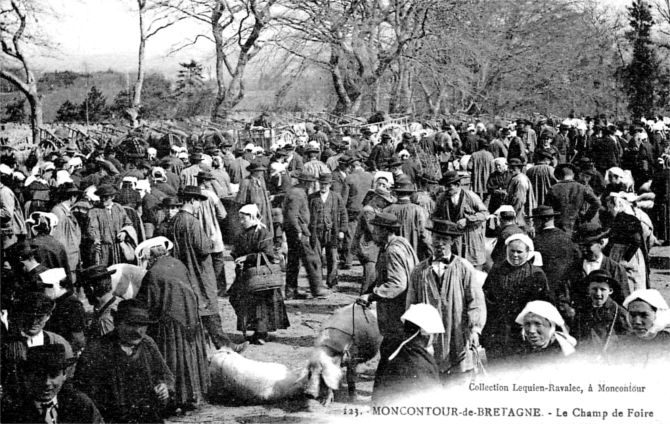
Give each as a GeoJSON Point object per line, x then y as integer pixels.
{"type": "Point", "coordinates": [424, 316]}
{"type": "Point", "coordinates": [254, 213]}
{"type": "Point", "coordinates": [625, 177]}
{"type": "Point", "coordinates": [549, 312]}
{"type": "Point", "coordinates": [532, 254]}
{"type": "Point", "coordinates": [150, 250]}
{"type": "Point", "coordinates": [655, 299]}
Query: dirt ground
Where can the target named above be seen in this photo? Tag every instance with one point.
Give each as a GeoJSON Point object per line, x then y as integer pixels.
{"type": "Point", "coordinates": [292, 347]}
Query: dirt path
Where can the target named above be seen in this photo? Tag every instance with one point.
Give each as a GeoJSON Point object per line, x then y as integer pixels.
{"type": "Point", "coordinates": [292, 347]}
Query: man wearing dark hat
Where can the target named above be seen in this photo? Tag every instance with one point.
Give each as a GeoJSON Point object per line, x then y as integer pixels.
{"type": "Point", "coordinates": [364, 143]}
{"type": "Point", "coordinates": [106, 224]}
{"type": "Point", "coordinates": [211, 214]}
{"type": "Point", "coordinates": [328, 221]}
{"type": "Point", "coordinates": [562, 142]}
{"type": "Point", "coordinates": [189, 175]}
{"type": "Point", "coordinates": [589, 175]}
{"type": "Point", "coordinates": [171, 177]}
{"type": "Point", "coordinates": [592, 239]}
{"type": "Point", "coordinates": [363, 243]}
{"type": "Point", "coordinates": [23, 259]}
{"type": "Point", "coordinates": [357, 181]}
{"type": "Point", "coordinates": [546, 147]}
{"type": "Point", "coordinates": [123, 372]}
{"type": "Point", "coordinates": [541, 176]}
{"type": "Point", "coordinates": [299, 239]}
{"type": "Point", "coordinates": [253, 191]}
{"type": "Point", "coordinates": [29, 316]}
{"type": "Point", "coordinates": [381, 153]}
{"type": "Point", "coordinates": [525, 127]}
{"type": "Point", "coordinates": [576, 203]}
{"type": "Point", "coordinates": [498, 147]}
{"type": "Point", "coordinates": [604, 150]}
{"type": "Point", "coordinates": [480, 167]}
{"type": "Point", "coordinates": [237, 169]}
{"type": "Point", "coordinates": [394, 267]}
{"type": "Point", "coordinates": [332, 161]}
{"type": "Point", "coordinates": [467, 210]}
{"type": "Point", "coordinates": [520, 193]}
{"type": "Point", "coordinates": [313, 165]}
{"type": "Point", "coordinates": [342, 169]}
{"type": "Point", "coordinates": [192, 247]}
{"type": "Point", "coordinates": [43, 396]}
{"type": "Point", "coordinates": [422, 197]}
{"type": "Point", "coordinates": [67, 231]}
{"type": "Point", "coordinates": [448, 283]}
{"type": "Point", "coordinates": [557, 250]}
{"type": "Point", "coordinates": [294, 161]}
{"type": "Point", "coordinates": [412, 218]}
{"type": "Point", "coordinates": [169, 208]}
{"type": "Point", "coordinates": [96, 281]}
{"type": "Point", "coordinates": [600, 321]}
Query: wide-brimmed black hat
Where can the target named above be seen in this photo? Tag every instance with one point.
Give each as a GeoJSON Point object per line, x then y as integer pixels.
{"type": "Point", "coordinates": [312, 149]}
{"type": "Point", "coordinates": [383, 219]}
{"type": "Point", "coordinates": [93, 273]}
{"type": "Point", "coordinates": [588, 233]}
{"type": "Point", "coordinates": [345, 160]}
{"type": "Point", "coordinates": [544, 154]}
{"type": "Point", "coordinates": [281, 152]}
{"type": "Point", "coordinates": [171, 202]}
{"type": "Point", "coordinates": [204, 175]}
{"type": "Point", "coordinates": [404, 185]}
{"type": "Point", "coordinates": [603, 276]}
{"type": "Point", "coordinates": [35, 303]}
{"type": "Point", "coordinates": [326, 178]}
{"type": "Point", "coordinates": [193, 191]}
{"type": "Point", "coordinates": [46, 359]}
{"type": "Point", "coordinates": [564, 127]}
{"type": "Point", "coordinates": [407, 136]}
{"type": "Point", "coordinates": [544, 211]}
{"type": "Point", "coordinates": [106, 190]}
{"type": "Point", "coordinates": [516, 162]}
{"type": "Point", "coordinates": [362, 156]}
{"type": "Point", "coordinates": [133, 311]}
{"type": "Point", "coordinates": [66, 190]}
{"type": "Point", "coordinates": [366, 130]}
{"type": "Point", "coordinates": [288, 147]}
{"type": "Point", "coordinates": [256, 166]}
{"type": "Point", "coordinates": [427, 179]}
{"type": "Point", "coordinates": [385, 137]}
{"type": "Point", "coordinates": [302, 176]}
{"type": "Point", "coordinates": [561, 166]}
{"type": "Point", "coordinates": [450, 177]}
{"type": "Point", "coordinates": [394, 162]}
{"type": "Point", "coordinates": [445, 228]}
{"type": "Point", "coordinates": [193, 157]}
{"type": "Point", "coordinates": [23, 250]}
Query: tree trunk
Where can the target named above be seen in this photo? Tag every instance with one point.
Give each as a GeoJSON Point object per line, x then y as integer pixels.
{"type": "Point", "coordinates": [35, 101]}
{"type": "Point", "coordinates": [401, 93]}
{"type": "Point", "coordinates": [134, 110]}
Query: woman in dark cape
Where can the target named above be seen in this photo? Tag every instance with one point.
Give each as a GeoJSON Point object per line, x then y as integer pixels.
{"type": "Point", "coordinates": [260, 311]}
{"type": "Point", "coordinates": [178, 332]}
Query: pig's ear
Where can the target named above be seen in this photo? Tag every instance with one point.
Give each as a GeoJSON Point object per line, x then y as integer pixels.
{"type": "Point", "coordinates": [332, 374]}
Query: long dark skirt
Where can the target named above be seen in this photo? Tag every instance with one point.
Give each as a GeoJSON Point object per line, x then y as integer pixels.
{"type": "Point", "coordinates": [262, 311]}
{"type": "Point", "coordinates": [186, 356]}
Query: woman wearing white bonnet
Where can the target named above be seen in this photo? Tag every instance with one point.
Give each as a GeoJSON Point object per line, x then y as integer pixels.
{"type": "Point", "coordinates": [649, 316]}
{"type": "Point", "coordinates": [261, 311]}
{"type": "Point", "coordinates": [411, 370]}
{"type": "Point", "coordinates": [510, 285]}
{"type": "Point", "coordinates": [544, 331]}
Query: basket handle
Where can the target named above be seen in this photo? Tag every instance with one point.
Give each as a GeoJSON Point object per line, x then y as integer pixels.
{"type": "Point", "coordinates": [267, 261]}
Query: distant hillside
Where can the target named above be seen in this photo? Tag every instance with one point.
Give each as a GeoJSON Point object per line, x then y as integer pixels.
{"type": "Point", "coordinates": [313, 91]}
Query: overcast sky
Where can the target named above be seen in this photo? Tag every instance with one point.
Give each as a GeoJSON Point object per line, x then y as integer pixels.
{"type": "Point", "coordinates": [103, 34]}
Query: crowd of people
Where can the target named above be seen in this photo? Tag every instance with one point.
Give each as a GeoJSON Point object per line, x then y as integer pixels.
{"type": "Point", "coordinates": [559, 218]}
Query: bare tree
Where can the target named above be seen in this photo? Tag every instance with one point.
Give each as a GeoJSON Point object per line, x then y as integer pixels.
{"type": "Point", "coordinates": [153, 18]}
{"type": "Point", "coordinates": [18, 33]}
{"type": "Point", "coordinates": [356, 41]}
{"type": "Point", "coordinates": [238, 29]}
